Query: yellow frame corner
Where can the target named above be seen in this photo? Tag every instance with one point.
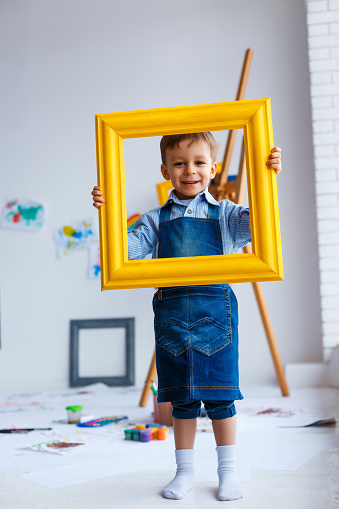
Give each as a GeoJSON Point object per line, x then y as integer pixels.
{"type": "Point", "coordinates": [265, 261]}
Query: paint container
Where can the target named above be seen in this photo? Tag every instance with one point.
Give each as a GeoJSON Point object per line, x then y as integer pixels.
{"type": "Point", "coordinates": [151, 433]}
{"type": "Point", "coordinates": [128, 434]}
{"type": "Point", "coordinates": [74, 414]}
{"type": "Point", "coordinates": [136, 435]}
{"type": "Point", "coordinates": [145, 435]}
{"type": "Point", "coordinates": [140, 426]}
{"type": "Point", "coordinates": [154, 429]}
{"type": "Point", "coordinates": [162, 433]}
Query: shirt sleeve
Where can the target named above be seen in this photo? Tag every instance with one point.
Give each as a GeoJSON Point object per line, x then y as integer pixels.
{"type": "Point", "coordinates": [144, 237]}
{"type": "Point", "coordinates": [239, 225]}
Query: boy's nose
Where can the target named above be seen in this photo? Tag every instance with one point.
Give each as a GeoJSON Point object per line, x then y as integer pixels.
{"type": "Point", "coordinates": [190, 169]}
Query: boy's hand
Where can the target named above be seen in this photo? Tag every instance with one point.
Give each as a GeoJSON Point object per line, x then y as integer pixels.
{"type": "Point", "coordinates": [274, 160]}
{"type": "Point", "coordinates": [97, 199]}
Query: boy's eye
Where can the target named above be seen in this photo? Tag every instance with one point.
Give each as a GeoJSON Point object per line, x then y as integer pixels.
{"type": "Point", "coordinates": [178, 164]}
{"type": "Point", "coordinates": [200, 162]}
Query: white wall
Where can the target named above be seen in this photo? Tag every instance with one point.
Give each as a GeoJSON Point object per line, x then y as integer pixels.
{"type": "Point", "coordinates": [323, 43]}
{"type": "Point", "coordinates": [63, 62]}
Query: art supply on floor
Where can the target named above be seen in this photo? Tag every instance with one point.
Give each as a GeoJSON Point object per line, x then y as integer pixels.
{"type": "Point", "coordinates": [74, 414]}
{"type": "Point", "coordinates": [103, 421]}
{"type": "Point", "coordinates": [147, 434]}
{"type": "Point", "coordinates": [136, 435]}
{"type": "Point", "coordinates": [23, 430]}
{"type": "Point", "coordinates": [128, 434]}
{"type": "Point", "coordinates": [162, 433]}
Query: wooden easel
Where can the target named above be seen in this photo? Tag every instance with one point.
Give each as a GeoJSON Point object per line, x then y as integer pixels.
{"type": "Point", "coordinates": [233, 190]}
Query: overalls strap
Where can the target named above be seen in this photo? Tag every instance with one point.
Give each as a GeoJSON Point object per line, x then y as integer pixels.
{"type": "Point", "coordinates": [165, 212]}
{"type": "Point", "coordinates": [213, 211]}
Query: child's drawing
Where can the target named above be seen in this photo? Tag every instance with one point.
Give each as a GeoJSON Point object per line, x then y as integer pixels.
{"type": "Point", "coordinates": [75, 237]}
{"type": "Point", "coordinates": [16, 406]}
{"type": "Point", "coordinates": [131, 221]}
{"type": "Point", "coordinates": [56, 446]}
{"type": "Point", "coordinates": [94, 261]}
{"type": "Point", "coordinates": [22, 215]}
{"type": "Point", "coordinates": [276, 412]}
{"type": "Point", "coordinates": [94, 250]}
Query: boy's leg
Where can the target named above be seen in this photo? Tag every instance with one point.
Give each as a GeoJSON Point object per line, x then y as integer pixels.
{"type": "Point", "coordinates": [224, 427]}
{"type": "Point", "coordinates": [185, 427]}
{"type": "Point", "coordinates": [224, 431]}
{"type": "Point", "coordinates": [184, 433]}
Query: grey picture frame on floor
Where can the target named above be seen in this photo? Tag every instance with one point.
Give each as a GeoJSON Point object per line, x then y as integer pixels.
{"type": "Point", "coordinates": [75, 325]}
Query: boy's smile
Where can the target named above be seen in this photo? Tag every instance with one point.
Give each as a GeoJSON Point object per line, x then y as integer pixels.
{"type": "Point", "coordinates": [190, 168]}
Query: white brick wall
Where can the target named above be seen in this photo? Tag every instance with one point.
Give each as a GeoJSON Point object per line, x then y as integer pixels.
{"type": "Point", "coordinates": [323, 45]}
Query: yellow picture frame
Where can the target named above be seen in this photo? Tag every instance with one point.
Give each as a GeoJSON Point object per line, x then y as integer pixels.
{"type": "Point", "coordinates": [265, 261]}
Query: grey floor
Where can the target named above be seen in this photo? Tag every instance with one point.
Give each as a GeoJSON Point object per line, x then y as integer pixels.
{"type": "Point", "coordinates": [314, 485]}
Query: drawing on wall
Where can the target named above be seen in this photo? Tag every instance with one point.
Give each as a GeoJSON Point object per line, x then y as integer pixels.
{"type": "Point", "coordinates": [132, 220]}
{"type": "Point", "coordinates": [75, 237]}
{"type": "Point", "coordinates": [94, 261]}
{"type": "Point", "coordinates": [23, 215]}
{"type": "Point", "coordinates": [94, 250]}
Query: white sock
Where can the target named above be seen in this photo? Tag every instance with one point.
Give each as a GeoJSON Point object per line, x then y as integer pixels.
{"type": "Point", "coordinates": [183, 480]}
{"type": "Point", "coordinates": [229, 485]}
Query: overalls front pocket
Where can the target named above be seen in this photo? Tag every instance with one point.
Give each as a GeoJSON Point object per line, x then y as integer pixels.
{"type": "Point", "coordinates": [170, 324]}
{"type": "Point", "coordinates": [198, 318]}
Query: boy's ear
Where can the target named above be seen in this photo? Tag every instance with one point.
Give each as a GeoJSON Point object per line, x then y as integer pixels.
{"type": "Point", "coordinates": [214, 170]}
{"type": "Point", "coordinates": [164, 172]}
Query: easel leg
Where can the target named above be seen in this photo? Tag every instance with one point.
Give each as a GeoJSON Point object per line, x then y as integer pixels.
{"type": "Point", "coordinates": [271, 339]}
{"type": "Point", "coordinates": [149, 380]}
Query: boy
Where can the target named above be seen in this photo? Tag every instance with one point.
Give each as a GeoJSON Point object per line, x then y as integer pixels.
{"type": "Point", "coordinates": [196, 328]}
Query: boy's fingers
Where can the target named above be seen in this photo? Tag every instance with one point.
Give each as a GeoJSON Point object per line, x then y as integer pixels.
{"type": "Point", "coordinates": [276, 160]}
{"type": "Point", "coordinates": [274, 155]}
{"type": "Point", "coordinates": [96, 193]}
{"type": "Point", "coordinates": [276, 149]}
{"type": "Point", "coordinates": [276, 167]}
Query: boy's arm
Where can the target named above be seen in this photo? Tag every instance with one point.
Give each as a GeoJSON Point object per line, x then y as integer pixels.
{"type": "Point", "coordinates": [239, 224]}
{"type": "Point", "coordinates": [144, 236]}
{"type": "Point", "coordinates": [238, 216]}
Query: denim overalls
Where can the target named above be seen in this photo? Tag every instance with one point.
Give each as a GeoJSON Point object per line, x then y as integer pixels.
{"type": "Point", "coordinates": [196, 327]}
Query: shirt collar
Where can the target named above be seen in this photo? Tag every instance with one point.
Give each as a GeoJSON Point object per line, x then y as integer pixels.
{"type": "Point", "coordinates": [204, 195]}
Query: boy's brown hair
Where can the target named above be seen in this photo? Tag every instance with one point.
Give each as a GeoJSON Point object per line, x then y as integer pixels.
{"type": "Point", "coordinates": [174, 139]}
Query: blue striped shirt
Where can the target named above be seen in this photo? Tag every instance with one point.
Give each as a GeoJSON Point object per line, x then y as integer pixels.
{"type": "Point", "coordinates": [234, 223]}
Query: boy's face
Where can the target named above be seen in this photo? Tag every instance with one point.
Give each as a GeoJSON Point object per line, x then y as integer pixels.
{"type": "Point", "coordinates": [189, 167]}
